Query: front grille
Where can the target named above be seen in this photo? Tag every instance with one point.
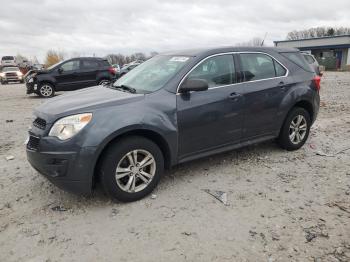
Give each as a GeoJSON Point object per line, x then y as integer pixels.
{"type": "Point", "coordinates": [11, 74]}
{"type": "Point", "coordinates": [39, 123]}
{"type": "Point", "coordinates": [33, 143]}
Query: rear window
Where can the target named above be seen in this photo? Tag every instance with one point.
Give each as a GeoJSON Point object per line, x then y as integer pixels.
{"type": "Point", "coordinates": [298, 59]}
{"type": "Point", "coordinates": [7, 58]}
{"type": "Point", "coordinates": [104, 63]}
{"type": "Point", "coordinates": [309, 59]}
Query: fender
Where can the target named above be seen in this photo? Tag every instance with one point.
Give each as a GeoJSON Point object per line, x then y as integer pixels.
{"type": "Point", "coordinates": [296, 94]}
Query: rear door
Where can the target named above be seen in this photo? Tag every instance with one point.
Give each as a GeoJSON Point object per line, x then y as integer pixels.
{"type": "Point", "coordinates": [213, 118]}
{"type": "Point", "coordinates": [88, 72]}
{"type": "Point", "coordinates": [264, 84]}
{"type": "Point", "coordinates": [67, 75]}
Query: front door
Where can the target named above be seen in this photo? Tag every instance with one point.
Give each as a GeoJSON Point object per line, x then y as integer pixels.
{"type": "Point", "coordinates": [338, 56]}
{"type": "Point", "coordinates": [213, 118]}
{"type": "Point", "coordinates": [67, 77]}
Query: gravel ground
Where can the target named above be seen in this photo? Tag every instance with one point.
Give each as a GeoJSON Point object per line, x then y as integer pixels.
{"type": "Point", "coordinates": [282, 206]}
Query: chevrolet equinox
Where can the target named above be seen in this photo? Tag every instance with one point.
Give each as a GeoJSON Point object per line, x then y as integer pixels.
{"type": "Point", "coordinates": [173, 108]}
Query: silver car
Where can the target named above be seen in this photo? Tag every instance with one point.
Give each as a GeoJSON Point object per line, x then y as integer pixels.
{"type": "Point", "coordinates": [8, 61]}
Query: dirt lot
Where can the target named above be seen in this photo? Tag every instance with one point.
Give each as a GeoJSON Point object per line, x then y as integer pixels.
{"type": "Point", "coordinates": [282, 206]}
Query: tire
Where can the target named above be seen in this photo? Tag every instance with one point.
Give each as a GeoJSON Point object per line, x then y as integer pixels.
{"type": "Point", "coordinates": [300, 127]}
{"type": "Point", "coordinates": [3, 82]}
{"type": "Point", "coordinates": [116, 157]}
{"type": "Point", "coordinates": [46, 90]}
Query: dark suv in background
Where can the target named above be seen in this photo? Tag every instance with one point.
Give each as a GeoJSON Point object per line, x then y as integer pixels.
{"type": "Point", "coordinates": [72, 74]}
{"type": "Point", "coordinates": [171, 109]}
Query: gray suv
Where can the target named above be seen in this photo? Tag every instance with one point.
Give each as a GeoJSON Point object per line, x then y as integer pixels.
{"type": "Point", "coordinates": [173, 108]}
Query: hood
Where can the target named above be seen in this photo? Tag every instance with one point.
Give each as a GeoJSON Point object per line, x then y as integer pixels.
{"type": "Point", "coordinates": [34, 72]}
{"type": "Point", "coordinates": [84, 100]}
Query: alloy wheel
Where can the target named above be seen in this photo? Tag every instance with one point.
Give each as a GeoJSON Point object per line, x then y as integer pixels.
{"type": "Point", "coordinates": [297, 129]}
{"type": "Point", "coordinates": [46, 90]}
{"type": "Point", "coordinates": [135, 171]}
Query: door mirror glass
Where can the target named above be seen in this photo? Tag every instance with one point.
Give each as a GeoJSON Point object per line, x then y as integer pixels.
{"type": "Point", "coordinates": [194, 85]}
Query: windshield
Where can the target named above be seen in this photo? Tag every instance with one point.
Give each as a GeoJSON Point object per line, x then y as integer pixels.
{"type": "Point", "coordinates": [8, 69]}
{"type": "Point", "coordinates": [7, 58]}
{"type": "Point", "coordinates": [53, 66]}
{"type": "Point", "coordinates": [153, 74]}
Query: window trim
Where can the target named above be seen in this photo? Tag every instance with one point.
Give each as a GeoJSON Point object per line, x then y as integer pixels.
{"type": "Point", "coordinates": [237, 83]}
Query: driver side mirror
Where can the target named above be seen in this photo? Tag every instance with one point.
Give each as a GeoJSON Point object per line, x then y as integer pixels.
{"type": "Point", "coordinates": [60, 70]}
{"type": "Point", "coordinates": [193, 85]}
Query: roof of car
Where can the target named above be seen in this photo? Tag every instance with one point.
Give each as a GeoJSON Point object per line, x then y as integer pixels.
{"type": "Point", "coordinates": [202, 51]}
{"type": "Point", "coordinates": [89, 57]}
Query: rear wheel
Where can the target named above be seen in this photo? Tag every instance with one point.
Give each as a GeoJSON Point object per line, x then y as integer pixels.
{"type": "Point", "coordinates": [131, 168]}
{"type": "Point", "coordinates": [295, 129]}
{"type": "Point", "coordinates": [46, 90]}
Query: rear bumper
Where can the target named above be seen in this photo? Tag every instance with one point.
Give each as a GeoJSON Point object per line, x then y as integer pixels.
{"type": "Point", "coordinates": [70, 171]}
{"type": "Point", "coordinates": [316, 106]}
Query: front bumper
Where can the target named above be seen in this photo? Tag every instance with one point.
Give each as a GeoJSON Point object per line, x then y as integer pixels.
{"type": "Point", "coordinates": [12, 78]}
{"type": "Point", "coordinates": [69, 170]}
{"type": "Point", "coordinates": [31, 87]}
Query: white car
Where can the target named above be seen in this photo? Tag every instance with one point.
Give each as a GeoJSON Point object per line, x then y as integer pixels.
{"type": "Point", "coordinates": [8, 61]}
{"type": "Point", "coordinates": [10, 74]}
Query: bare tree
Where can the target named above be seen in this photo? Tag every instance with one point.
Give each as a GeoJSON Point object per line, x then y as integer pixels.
{"type": "Point", "coordinates": [317, 32]}
{"type": "Point", "coordinates": [53, 57]}
{"type": "Point", "coordinates": [256, 41]}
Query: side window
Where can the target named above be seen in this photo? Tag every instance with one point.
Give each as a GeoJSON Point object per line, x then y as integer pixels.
{"type": "Point", "coordinates": [298, 59]}
{"type": "Point", "coordinates": [217, 71]}
{"type": "Point", "coordinates": [257, 66]}
{"type": "Point", "coordinates": [280, 70]}
{"type": "Point", "coordinates": [89, 64]}
{"type": "Point", "coordinates": [71, 65]}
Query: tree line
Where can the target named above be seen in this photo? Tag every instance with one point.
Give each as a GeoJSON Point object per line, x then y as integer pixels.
{"type": "Point", "coordinates": [52, 57]}
{"type": "Point", "coordinates": [317, 32]}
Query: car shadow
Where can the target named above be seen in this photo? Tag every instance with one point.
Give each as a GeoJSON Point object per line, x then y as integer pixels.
{"type": "Point", "coordinates": [172, 177]}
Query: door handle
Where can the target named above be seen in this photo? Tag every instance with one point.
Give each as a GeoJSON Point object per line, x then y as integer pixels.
{"type": "Point", "coordinates": [282, 85]}
{"type": "Point", "coordinates": [234, 96]}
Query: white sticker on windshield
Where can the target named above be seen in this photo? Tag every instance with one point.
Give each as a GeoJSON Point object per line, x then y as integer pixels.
{"type": "Point", "coordinates": [179, 59]}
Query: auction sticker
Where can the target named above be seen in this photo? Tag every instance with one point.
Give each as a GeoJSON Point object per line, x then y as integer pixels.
{"type": "Point", "coordinates": [179, 59]}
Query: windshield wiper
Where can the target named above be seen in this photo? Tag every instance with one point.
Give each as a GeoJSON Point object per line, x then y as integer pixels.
{"type": "Point", "coordinates": [126, 88]}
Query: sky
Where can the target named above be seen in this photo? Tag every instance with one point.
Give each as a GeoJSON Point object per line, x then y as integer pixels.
{"type": "Point", "coordinates": [101, 27]}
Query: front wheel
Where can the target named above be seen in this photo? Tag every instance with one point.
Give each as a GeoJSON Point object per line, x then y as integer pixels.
{"type": "Point", "coordinates": [46, 90]}
{"type": "Point", "coordinates": [131, 168]}
{"type": "Point", "coordinates": [295, 129]}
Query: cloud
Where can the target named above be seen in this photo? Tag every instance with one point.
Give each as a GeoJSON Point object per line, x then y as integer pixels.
{"type": "Point", "coordinates": [101, 27]}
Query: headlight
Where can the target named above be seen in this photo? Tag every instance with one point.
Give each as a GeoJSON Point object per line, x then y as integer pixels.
{"type": "Point", "coordinates": [69, 126]}
{"type": "Point", "coordinates": [31, 80]}
{"type": "Point", "coordinates": [19, 74]}
{"type": "Point", "coordinates": [2, 74]}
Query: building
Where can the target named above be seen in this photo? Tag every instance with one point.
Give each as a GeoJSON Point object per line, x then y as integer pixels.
{"type": "Point", "coordinates": [333, 52]}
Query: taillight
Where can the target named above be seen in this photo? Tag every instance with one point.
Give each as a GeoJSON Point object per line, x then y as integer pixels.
{"type": "Point", "coordinates": [112, 70]}
{"type": "Point", "coordinates": [317, 82]}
